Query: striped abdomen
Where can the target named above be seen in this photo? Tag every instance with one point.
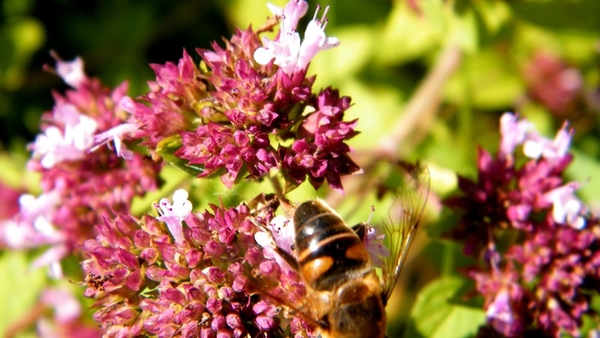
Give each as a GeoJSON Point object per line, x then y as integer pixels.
{"type": "Point", "coordinates": [329, 253]}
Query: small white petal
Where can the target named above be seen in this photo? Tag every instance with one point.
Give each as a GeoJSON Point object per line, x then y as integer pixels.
{"type": "Point", "coordinates": [71, 72]}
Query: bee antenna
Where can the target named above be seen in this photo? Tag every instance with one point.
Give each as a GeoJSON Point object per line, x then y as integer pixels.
{"type": "Point", "coordinates": [371, 215]}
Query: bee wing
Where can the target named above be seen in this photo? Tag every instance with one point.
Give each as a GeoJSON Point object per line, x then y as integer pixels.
{"type": "Point", "coordinates": [404, 217]}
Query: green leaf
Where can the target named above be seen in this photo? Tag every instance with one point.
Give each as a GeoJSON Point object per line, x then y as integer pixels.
{"type": "Point", "coordinates": [494, 14]}
{"type": "Point", "coordinates": [560, 14]}
{"type": "Point", "coordinates": [20, 288]}
{"type": "Point", "coordinates": [590, 320]}
{"type": "Point", "coordinates": [463, 31]}
{"type": "Point", "coordinates": [167, 148]}
{"type": "Point", "coordinates": [485, 80]}
{"type": "Point", "coordinates": [20, 39]}
{"type": "Point", "coordinates": [584, 169]}
{"type": "Point", "coordinates": [595, 302]}
{"type": "Point", "coordinates": [437, 314]}
{"type": "Point", "coordinates": [409, 35]}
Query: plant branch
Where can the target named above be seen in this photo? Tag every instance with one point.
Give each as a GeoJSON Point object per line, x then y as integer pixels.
{"type": "Point", "coordinates": [415, 123]}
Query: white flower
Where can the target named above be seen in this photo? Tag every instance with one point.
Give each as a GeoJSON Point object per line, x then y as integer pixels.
{"type": "Point", "coordinates": [373, 241]}
{"type": "Point", "coordinates": [71, 71]}
{"type": "Point", "coordinates": [34, 227]}
{"type": "Point", "coordinates": [66, 306]}
{"type": "Point", "coordinates": [174, 214]}
{"type": "Point", "coordinates": [116, 134]}
{"type": "Point", "coordinates": [566, 207]}
{"type": "Point", "coordinates": [537, 146]}
{"type": "Point", "coordinates": [56, 145]}
{"type": "Point", "coordinates": [51, 258]}
{"type": "Point", "coordinates": [280, 234]}
{"type": "Point", "coordinates": [516, 132]}
{"type": "Point", "coordinates": [513, 131]}
{"type": "Point", "coordinates": [291, 54]}
{"type": "Point", "coordinates": [500, 308]}
{"type": "Point", "coordinates": [315, 40]}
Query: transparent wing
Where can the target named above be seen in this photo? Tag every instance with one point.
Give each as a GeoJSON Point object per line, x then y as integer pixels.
{"type": "Point", "coordinates": [404, 217]}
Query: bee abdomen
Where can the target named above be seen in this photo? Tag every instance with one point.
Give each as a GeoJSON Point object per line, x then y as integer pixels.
{"type": "Point", "coordinates": [328, 251]}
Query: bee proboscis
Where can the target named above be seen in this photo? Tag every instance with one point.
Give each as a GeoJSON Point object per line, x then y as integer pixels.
{"type": "Point", "coordinates": [345, 296]}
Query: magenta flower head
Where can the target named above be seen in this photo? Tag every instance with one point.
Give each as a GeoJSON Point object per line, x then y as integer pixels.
{"type": "Point", "coordinates": [555, 84]}
{"type": "Point", "coordinates": [542, 280]}
{"type": "Point", "coordinates": [81, 184]}
{"type": "Point", "coordinates": [224, 278]}
{"type": "Point", "coordinates": [248, 108]}
{"type": "Point", "coordinates": [209, 283]}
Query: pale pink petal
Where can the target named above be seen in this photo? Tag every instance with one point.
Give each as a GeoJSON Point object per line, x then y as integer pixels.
{"type": "Point", "coordinates": [116, 134]}
{"type": "Point", "coordinates": [174, 214]}
{"type": "Point", "coordinates": [288, 51]}
{"type": "Point", "coordinates": [566, 207]}
{"type": "Point", "coordinates": [513, 132]}
{"type": "Point", "coordinates": [52, 258]}
{"type": "Point", "coordinates": [65, 305]}
{"type": "Point", "coordinates": [71, 72]}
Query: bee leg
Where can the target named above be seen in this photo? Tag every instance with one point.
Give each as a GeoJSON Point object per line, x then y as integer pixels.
{"type": "Point", "coordinates": [289, 258]}
{"type": "Point", "coordinates": [262, 202]}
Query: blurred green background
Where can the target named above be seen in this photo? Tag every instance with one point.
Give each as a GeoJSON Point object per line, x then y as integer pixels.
{"type": "Point", "coordinates": [434, 76]}
{"type": "Point", "coordinates": [117, 40]}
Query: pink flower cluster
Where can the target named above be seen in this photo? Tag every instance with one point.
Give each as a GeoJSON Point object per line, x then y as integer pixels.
{"type": "Point", "coordinates": [555, 84]}
{"type": "Point", "coordinates": [79, 186]}
{"type": "Point", "coordinates": [145, 283]}
{"type": "Point", "coordinates": [539, 249]}
{"type": "Point", "coordinates": [248, 108]}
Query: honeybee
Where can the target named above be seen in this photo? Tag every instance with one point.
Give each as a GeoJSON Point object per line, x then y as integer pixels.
{"type": "Point", "coordinates": [345, 296]}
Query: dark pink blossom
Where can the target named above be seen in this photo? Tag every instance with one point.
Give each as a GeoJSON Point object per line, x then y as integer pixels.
{"type": "Point", "coordinates": [197, 289]}
{"type": "Point", "coordinates": [238, 119]}
{"type": "Point", "coordinates": [9, 201]}
{"type": "Point", "coordinates": [554, 84]}
{"type": "Point", "coordinates": [542, 279]}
